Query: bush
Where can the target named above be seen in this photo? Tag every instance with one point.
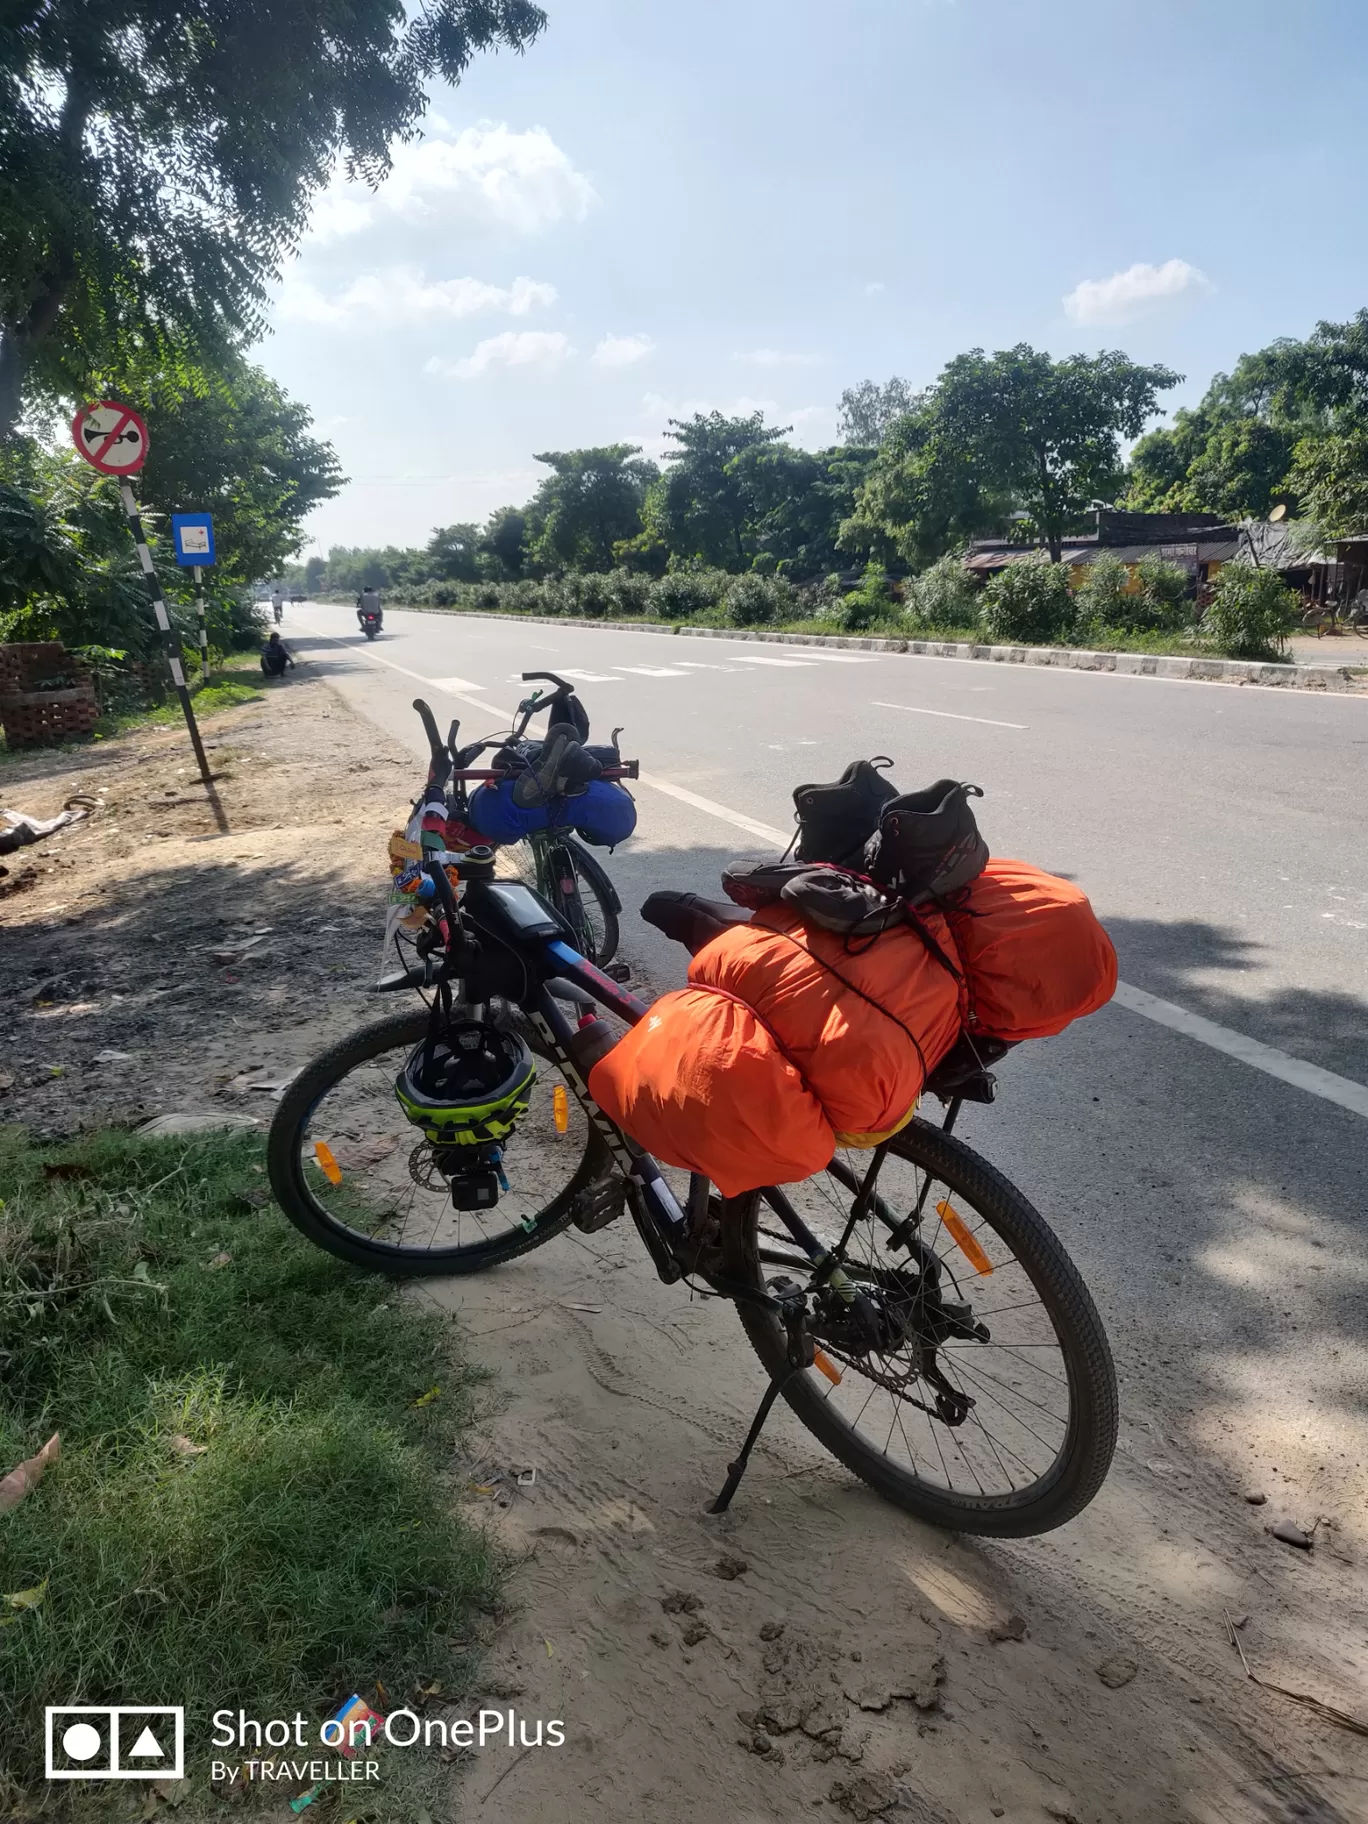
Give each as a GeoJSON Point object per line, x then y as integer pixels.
{"type": "Point", "coordinates": [946, 595]}
{"type": "Point", "coordinates": [755, 601]}
{"type": "Point", "coordinates": [870, 603]}
{"type": "Point", "coordinates": [1166, 599]}
{"type": "Point", "coordinates": [1152, 597]}
{"type": "Point", "coordinates": [686, 592]}
{"type": "Point", "coordinates": [1250, 615]}
{"type": "Point", "coordinates": [1103, 602]}
{"type": "Point", "coordinates": [631, 592]}
{"type": "Point", "coordinates": [1029, 603]}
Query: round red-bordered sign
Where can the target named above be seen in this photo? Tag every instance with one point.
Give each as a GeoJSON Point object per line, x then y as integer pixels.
{"type": "Point", "coordinates": [111, 437]}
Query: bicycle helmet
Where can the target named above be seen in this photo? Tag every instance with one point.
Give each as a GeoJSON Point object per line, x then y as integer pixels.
{"type": "Point", "coordinates": [468, 1088]}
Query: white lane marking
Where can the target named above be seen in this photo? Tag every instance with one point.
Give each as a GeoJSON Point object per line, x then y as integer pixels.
{"type": "Point", "coordinates": [589, 677]}
{"type": "Point", "coordinates": [1274, 1063]}
{"type": "Point", "coordinates": [810, 653]}
{"type": "Point", "coordinates": [454, 684]}
{"type": "Point", "coordinates": [750, 658]}
{"type": "Point", "coordinates": [766, 832]}
{"type": "Point", "coordinates": [948, 714]}
{"type": "Point", "coordinates": [652, 671]}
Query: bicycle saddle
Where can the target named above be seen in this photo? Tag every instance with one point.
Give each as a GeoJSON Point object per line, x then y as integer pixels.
{"type": "Point", "coordinates": [691, 920]}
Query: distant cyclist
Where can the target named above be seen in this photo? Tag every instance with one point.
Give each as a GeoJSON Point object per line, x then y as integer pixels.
{"type": "Point", "coordinates": [275, 657]}
{"type": "Point", "coordinates": [277, 606]}
{"type": "Point", "coordinates": [368, 608]}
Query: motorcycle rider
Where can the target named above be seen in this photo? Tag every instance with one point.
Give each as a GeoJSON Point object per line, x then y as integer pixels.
{"type": "Point", "coordinates": [368, 604]}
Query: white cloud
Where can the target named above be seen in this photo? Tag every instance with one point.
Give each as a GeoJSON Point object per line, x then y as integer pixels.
{"type": "Point", "coordinates": [403, 295]}
{"type": "Point", "coordinates": [487, 175]}
{"type": "Point", "coordinates": [875, 288]}
{"type": "Point", "coordinates": [1128, 294]}
{"type": "Point", "coordinates": [538, 348]}
{"type": "Point", "coordinates": [622, 351]}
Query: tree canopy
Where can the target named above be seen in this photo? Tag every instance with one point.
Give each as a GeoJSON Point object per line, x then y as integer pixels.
{"type": "Point", "coordinates": [703, 509]}
{"type": "Point", "coordinates": [590, 503]}
{"type": "Point", "coordinates": [869, 411]}
{"type": "Point", "coordinates": [1289, 424]}
{"type": "Point", "coordinates": [158, 157]}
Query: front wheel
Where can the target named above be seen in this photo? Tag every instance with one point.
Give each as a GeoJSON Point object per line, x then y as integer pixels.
{"type": "Point", "coordinates": [567, 875]}
{"type": "Point", "coordinates": [974, 1387]}
{"type": "Point", "coordinates": [353, 1175]}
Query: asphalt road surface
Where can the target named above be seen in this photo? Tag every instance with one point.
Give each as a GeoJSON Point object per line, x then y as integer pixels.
{"type": "Point", "coordinates": [1215, 1203]}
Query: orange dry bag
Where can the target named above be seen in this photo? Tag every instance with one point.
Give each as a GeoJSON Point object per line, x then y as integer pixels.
{"type": "Point", "coordinates": [1034, 952]}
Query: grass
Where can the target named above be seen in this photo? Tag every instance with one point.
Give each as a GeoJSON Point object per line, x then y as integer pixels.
{"type": "Point", "coordinates": [249, 1509]}
{"type": "Point", "coordinates": [237, 680]}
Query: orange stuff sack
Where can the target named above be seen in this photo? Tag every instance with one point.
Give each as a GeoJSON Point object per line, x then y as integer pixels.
{"type": "Point", "coordinates": [1034, 951]}
{"type": "Point", "coordinates": [702, 1085]}
{"type": "Point", "coordinates": [855, 1057]}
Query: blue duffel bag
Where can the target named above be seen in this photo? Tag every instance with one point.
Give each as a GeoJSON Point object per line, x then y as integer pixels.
{"type": "Point", "coordinates": [602, 813]}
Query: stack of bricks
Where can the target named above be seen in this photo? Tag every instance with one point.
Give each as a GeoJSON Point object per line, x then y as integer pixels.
{"type": "Point", "coordinates": [45, 694]}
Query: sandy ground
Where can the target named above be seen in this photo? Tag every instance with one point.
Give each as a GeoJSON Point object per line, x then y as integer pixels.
{"type": "Point", "coordinates": [857, 1663]}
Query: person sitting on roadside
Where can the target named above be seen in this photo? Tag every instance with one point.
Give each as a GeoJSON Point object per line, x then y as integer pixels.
{"type": "Point", "coordinates": [275, 657]}
{"type": "Point", "coordinates": [369, 604]}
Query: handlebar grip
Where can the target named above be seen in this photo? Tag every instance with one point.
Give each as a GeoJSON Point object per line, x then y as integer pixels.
{"type": "Point", "coordinates": [562, 688]}
{"type": "Point", "coordinates": [429, 726]}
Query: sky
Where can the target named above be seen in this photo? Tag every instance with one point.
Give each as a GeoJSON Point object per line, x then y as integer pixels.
{"type": "Point", "coordinates": [753, 204]}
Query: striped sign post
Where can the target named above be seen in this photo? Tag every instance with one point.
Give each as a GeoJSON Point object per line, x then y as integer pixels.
{"type": "Point", "coordinates": [113, 439]}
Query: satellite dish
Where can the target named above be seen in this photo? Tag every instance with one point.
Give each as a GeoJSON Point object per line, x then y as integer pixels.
{"type": "Point", "coordinates": [1279, 513]}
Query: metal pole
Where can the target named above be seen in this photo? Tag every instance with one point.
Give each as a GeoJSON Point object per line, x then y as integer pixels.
{"type": "Point", "coordinates": [203, 623]}
{"type": "Point", "coordinates": [172, 647]}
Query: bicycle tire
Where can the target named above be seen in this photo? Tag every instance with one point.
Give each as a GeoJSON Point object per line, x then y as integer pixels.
{"type": "Point", "coordinates": [285, 1155]}
{"type": "Point", "coordinates": [1086, 1457]}
{"type": "Point", "coordinates": [590, 876]}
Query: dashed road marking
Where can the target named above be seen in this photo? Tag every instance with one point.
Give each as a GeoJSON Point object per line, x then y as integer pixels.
{"type": "Point", "coordinates": [454, 684]}
{"type": "Point", "coordinates": [652, 671]}
{"type": "Point", "coordinates": [948, 714]}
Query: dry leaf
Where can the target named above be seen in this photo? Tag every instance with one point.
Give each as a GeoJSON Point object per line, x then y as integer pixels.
{"type": "Point", "coordinates": [26, 1599]}
{"type": "Point", "coordinates": [18, 1482]}
{"type": "Point", "coordinates": [221, 1260]}
{"type": "Point", "coordinates": [426, 1399]}
{"type": "Point", "coordinates": [184, 1448]}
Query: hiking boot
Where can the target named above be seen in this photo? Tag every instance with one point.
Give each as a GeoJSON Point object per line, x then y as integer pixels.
{"type": "Point", "coordinates": [929, 843]}
{"type": "Point", "coordinates": [836, 821]}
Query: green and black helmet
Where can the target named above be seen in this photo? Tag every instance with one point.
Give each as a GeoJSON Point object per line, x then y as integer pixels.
{"type": "Point", "coordinates": [470, 1088]}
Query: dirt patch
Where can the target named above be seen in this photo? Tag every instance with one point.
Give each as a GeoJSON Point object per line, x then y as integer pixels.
{"type": "Point", "coordinates": [150, 965]}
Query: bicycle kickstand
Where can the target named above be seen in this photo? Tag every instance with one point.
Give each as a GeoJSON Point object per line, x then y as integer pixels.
{"type": "Point", "coordinates": [736, 1470]}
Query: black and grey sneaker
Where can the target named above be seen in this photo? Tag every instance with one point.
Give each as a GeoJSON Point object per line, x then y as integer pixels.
{"type": "Point", "coordinates": [836, 821]}
{"type": "Point", "coordinates": [929, 843]}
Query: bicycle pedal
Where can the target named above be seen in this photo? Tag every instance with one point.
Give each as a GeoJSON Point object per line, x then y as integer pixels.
{"type": "Point", "coordinates": [599, 1204]}
{"type": "Point", "coordinates": [618, 972]}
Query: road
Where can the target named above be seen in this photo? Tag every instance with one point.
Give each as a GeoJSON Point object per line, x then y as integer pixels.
{"type": "Point", "coordinates": [1215, 1205]}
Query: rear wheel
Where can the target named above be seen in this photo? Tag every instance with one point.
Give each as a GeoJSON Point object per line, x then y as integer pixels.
{"type": "Point", "coordinates": [353, 1175]}
{"type": "Point", "coordinates": [986, 1398]}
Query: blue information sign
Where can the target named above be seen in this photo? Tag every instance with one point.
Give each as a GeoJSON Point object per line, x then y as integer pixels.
{"type": "Point", "coordinates": [193, 534]}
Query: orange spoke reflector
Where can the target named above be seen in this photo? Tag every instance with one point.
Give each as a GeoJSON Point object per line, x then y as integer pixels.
{"type": "Point", "coordinates": [329, 1167]}
{"type": "Point", "coordinates": [560, 1108]}
{"type": "Point", "coordinates": [962, 1238]}
{"type": "Point", "coordinates": [822, 1361]}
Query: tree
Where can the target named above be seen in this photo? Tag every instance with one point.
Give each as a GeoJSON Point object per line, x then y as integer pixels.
{"type": "Point", "coordinates": [241, 451]}
{"type": "Point", "coordinates": [705, 505]}
{"type": "Point", "coordinates": [922, 498]}
{"type": "Point", "coordinates": [453, 554]}
{"type": "Point", "coordinates": [591, 502]}
{"type": "Point", "coordinates": [504, 539]}
{"type": "Point", "coordinates": [158, 157]}
{"type": "Point", "coordinates": [798, 501]}
{"type": "Point", "coordinates": [869, 411]}
{"type": "Point", "coordinates": [1047, 431]}
{"type": "Point", "coordinates": [1329, 475]}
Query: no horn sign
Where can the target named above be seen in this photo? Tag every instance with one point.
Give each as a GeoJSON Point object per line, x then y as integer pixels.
{"type": "Point", "coordinates": [111, 437]}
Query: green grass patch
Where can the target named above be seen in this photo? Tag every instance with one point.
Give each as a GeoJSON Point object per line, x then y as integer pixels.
{"type": "Point", "coordinates": [249, 1510]}
{"type": "Point", "coordinates": [232, 684]}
